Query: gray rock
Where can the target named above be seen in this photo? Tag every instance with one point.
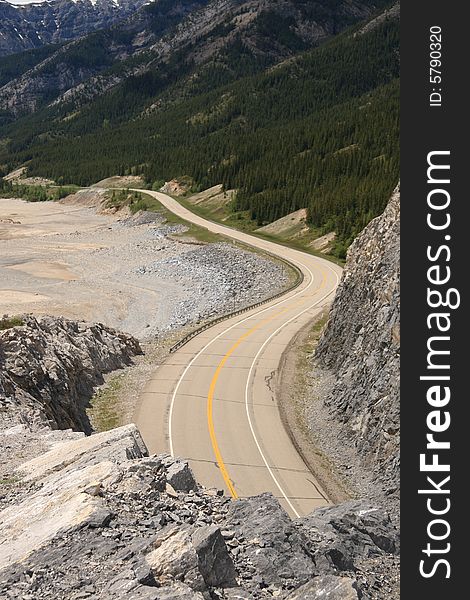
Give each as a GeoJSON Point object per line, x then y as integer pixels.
{"type": "Point", "coordinates": [162, 547]}
{"type": "Point", "coordinates": [59, 506]}
{"type": "Point", "coordinates": [340, 535]}
{"type": "Point", "coordinates": [143, 592]}
{"type": "Point", "coordinates": [178, 591]}
{"type": "Point", "coordinates": [237, 594]}
{"type": "Point", "coordinates": [99, 518]}
{"type": "Point", "coordinates": [135, 590]}
{"type": "Point", "coordinates": [215, 563]}
{"type": "Point", "coordinates": [197, 556]}
{"type": "Point", "coordinates": [175, 558]}
{"type": "Point", "coordinates": [277, 550]}
{"type": "Point", "coordinates": [180, 477]}
{"type": "Point", "coordinates": [360, 348]}
{"type": "Point", "coordinates": [50, 366]}
{"type": "Point", "coordinates": [116, 445]}
{"type": "Point", "coordinates": [327, 587]}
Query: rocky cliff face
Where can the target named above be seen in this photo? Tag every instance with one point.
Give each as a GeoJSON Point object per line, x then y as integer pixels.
{"type": "Point", "coordinates": [49, 367]}
{"type": "Point", "coordinates": [361, 346]}
{"type": "Point", "coordinates": [95, 517]}
{"type": "Point", "coordinates": [23, 27]}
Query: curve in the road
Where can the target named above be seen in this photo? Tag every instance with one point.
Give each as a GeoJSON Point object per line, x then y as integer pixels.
{"type": "Point", "coordinates": [213, 402]}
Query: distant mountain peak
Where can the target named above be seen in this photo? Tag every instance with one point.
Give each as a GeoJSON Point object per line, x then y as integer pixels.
{"type": "Point", "coordinates": [26, 25]}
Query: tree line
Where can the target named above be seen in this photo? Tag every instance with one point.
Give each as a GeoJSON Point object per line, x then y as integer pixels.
{"type": "Point", "coordinates": [320, 132]}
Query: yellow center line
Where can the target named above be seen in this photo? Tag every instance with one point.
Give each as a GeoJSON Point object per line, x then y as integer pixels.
{"type": "Point", "coordinates": [210, 395]}
{"type": "Point", "coordinates": [210, 400]}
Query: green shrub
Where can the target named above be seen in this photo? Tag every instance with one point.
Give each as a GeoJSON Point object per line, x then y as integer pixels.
{"type": "Point", "coordinates": [9, 322]}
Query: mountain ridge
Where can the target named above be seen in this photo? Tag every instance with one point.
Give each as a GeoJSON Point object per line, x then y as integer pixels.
{"type": "Point", "coordinates": [289, 127]}
{"type": "Point", "coordinates": [33, 25]}
{"type": "Point", "coordinates": [195, 31]}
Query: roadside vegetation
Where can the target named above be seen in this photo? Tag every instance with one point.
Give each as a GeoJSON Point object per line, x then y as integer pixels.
{"type": "Point", "coordinates": [138, 201]}
{"type": "Point", "coordinates": [10, 322]}
{"type": "Point", "coordinates": [241, 220]}
{"type": "Point", "coordinates": [35, 193]}
{"type": "Point", "coordinates": [104, 411]}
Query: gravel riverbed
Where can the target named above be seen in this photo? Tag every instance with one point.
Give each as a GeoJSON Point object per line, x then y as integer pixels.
{"type": "Point", "coordinates": [138, 274]}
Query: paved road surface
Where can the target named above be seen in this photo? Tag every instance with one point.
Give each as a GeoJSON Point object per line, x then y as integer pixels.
{"type": "Point", "coordinates": [213, 400]}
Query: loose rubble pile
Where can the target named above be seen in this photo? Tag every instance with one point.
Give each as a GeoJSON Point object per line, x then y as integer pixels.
{"type": "Point", "coordinates": [49, 367]}
{"type": "Point", "coordinates": [217, 278]}
{"type": "Point", "coordinates": [142, 217]}
{"type": "Point", "coordinates": [95, 517]}
{"type": "Point", "coordinates": [359, 354]}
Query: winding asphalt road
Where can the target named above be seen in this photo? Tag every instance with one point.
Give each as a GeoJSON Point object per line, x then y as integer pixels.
{"type": "Point", "coordinates": [214, 400]}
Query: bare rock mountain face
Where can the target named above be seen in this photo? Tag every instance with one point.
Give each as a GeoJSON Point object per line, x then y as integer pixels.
{"type": "Point", "coordinates": [50, 366]}
{"type": "Point", "coordinates": [169, 40]}
{"type": "Point", "coordinates": [28, 26]}
{"type": "Point", "coordinates": [360, 347]}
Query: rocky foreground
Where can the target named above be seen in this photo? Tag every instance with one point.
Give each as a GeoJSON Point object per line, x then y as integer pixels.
{"type": "Point", "coordinates": [96, 517]}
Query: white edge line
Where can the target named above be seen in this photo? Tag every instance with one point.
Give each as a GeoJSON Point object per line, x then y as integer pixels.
{"type": "Point", "coordinates": [190, 364]}
{"type": "Point", "coordinates": [248, 385]}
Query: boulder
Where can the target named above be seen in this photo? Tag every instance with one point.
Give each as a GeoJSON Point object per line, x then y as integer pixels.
{"type": "Point", "coordinates": [60, 505]}
{"type": "Point", "coordinates": [340, 534]}
{"type": "Point", "coordinates": [180, 477]}
{"type": "Point", "coordinates": [215, 563]}
{"type": "Point", "coordinates": [175, 558]}
{"type": "Point", "coordinates": [196, 556]}
{"type": "Point", "coordinates": [276, 549]}
{"type": "Point", "coordinates": [117, 445]}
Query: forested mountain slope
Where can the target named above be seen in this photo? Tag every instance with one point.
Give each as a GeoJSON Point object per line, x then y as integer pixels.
{"type": "Point", "coordinates": [168, 40]}
{"type": "Point", "coordinates": [247, 104]}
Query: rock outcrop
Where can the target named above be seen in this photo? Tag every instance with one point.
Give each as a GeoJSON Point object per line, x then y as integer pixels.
{"type": "Point", "coordinates": [361, 346]}
{"type": "Point", "coordinates": [32, 25]}
{"type": "Point", "coordinates": [96, 517]}
{"type": "Point", "coordinates": [49, 367]}
{"type": "Point", "coordinates": [340, 536]}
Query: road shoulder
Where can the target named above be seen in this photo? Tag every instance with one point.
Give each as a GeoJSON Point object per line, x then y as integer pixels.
{"type": "Point", "coordinates": [291, 391]}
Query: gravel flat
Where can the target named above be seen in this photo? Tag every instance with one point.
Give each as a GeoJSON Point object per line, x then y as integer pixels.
{"type": "Point", "coordinates": [138, 274]}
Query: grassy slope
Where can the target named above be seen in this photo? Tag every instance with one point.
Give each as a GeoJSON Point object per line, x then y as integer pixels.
{"type": "Point", "coordinates": [241, 221]}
